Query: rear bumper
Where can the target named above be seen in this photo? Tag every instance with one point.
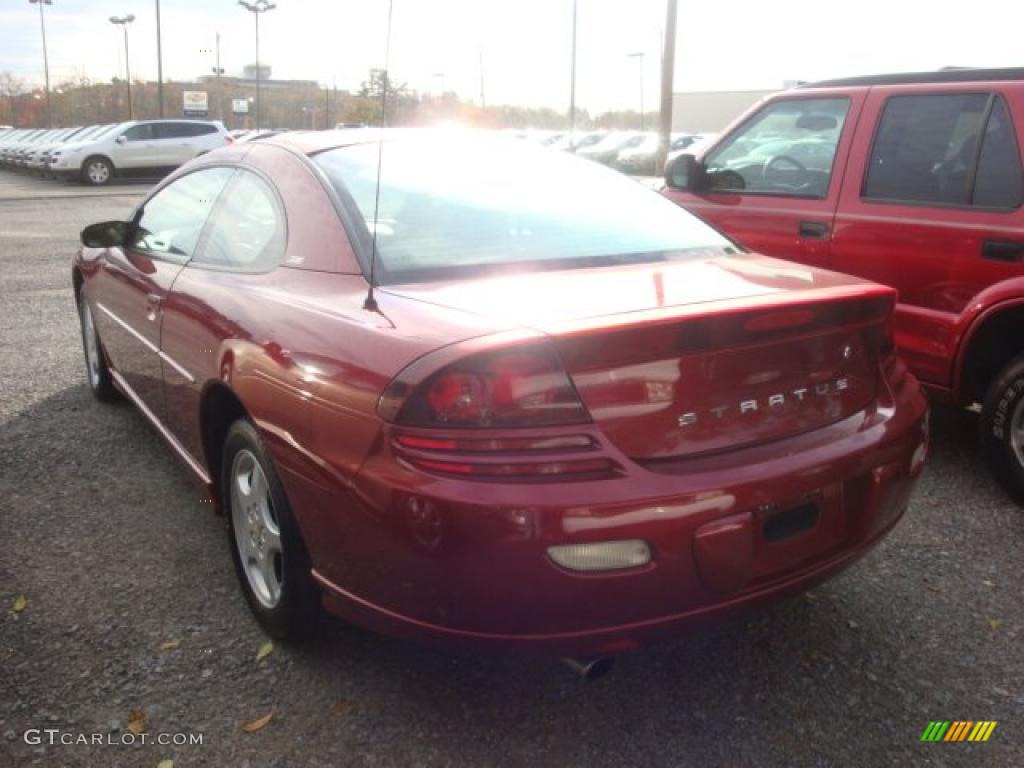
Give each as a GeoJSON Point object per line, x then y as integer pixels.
{"type": "Point", "coordinates": [449, 561]}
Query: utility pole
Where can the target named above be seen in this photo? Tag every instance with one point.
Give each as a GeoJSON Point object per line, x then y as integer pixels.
{"type": "Point", "coordinates": [640, 58]}
{"type": "Point", "coordinates": [218, 71]}
{"type": "Point", "coordinates": [668, 70]}
{"type": "Point", "coordinates": [572, 83]}
{"type": "Point", "coordinates": [46, 59]}
{"type": "Point", "coordinates": [256, 8]}
{"type": "Point", "coordinates": [124, 21]}
{"type": "Point", "coordinates": [159, 65]}
{"type": "Point", "coordinates": [483, 100]}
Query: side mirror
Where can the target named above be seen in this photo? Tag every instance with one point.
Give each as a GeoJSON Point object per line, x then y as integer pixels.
{"type": "Point", "coordinates": [121, 139]}
{"type": "Point", "coordinates": [106, 234]}
{"type": "Point", "coordinates": [685, 172]}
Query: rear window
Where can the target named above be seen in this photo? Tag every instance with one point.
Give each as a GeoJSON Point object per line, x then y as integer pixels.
{"type": "Point", "coordinates": [459, 207]}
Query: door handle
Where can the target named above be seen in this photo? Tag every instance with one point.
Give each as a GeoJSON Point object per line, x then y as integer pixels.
{"type": "Point", "coordinates": [1002, 250]}
{"type": "Point", "coordinates": [813, 230]}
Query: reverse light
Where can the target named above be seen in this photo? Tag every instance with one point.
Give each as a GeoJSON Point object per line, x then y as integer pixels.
{"type": "Point", "coordinates": [602, 555]}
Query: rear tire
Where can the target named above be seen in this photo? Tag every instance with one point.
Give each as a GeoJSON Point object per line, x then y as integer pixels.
{"type": "Point", "coordinates": [271, 561]}
{"type": "Point", "coordinates": [97, 373]}
{"type": "Point", "coordinates": [97, 171]}
{"type": "Point", "coordinates": [1002, 428]}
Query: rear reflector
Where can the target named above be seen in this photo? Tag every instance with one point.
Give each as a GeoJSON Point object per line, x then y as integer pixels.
{"type": "Point", "coordinates": [496, 444]}
{"type": "Point", "coordinates": [582, 469]}
{"type": "Point", "coordinates": [602, 555]}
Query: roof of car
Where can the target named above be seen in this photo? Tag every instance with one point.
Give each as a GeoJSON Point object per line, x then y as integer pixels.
{"type": "Point", "coordinates": [312, 142]}
{"type": "Point", "coordinates": [951, 75]}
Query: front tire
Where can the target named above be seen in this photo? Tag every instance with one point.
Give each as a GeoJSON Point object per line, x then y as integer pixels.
{"type": "Point", "coordinates": [97, 372]}
{"type": "Point", "coordinates": [271, 561]}
{"type": "Point", "coordinates": [1002, 428]}
{"type": "Point", "coordinates": [97, 171]}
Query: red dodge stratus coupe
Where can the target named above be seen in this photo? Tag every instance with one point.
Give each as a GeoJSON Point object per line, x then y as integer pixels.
{"type": "Point", "coordinates": [569, 416]}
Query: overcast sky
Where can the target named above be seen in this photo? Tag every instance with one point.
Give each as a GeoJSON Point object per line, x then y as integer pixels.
{"type": "Point", "coordinates": [524, 44]}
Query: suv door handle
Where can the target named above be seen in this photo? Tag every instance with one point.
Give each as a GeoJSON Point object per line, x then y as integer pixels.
{"type": "Point", "coordinates": [813, 230]}
{"type": "Point", "coordinates": [1002, 250]}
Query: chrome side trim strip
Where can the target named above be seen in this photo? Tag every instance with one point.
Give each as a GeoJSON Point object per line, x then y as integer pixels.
{"type": "Point", "coordinates": [128, 328]}
{"type": "Point", "coordinates": [149, 345]}
{"type": "Point", "coordinates": [171, 362]}
{"type": "Point", "coordinates": [193, 464]}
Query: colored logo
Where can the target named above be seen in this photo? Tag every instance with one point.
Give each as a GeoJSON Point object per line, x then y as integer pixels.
{"type": "Point", "coordinates": [958, 730]}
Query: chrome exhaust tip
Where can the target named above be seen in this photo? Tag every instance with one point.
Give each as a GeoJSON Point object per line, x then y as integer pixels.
{"type": "Point", "coordinates": [590, 669]}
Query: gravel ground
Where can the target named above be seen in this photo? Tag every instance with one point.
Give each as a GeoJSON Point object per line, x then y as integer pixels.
{"type": "Point", "coordinates": [108, 541]}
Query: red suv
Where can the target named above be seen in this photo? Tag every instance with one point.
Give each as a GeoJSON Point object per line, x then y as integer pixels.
{"type": "Point", "coordinates": [911, 180]}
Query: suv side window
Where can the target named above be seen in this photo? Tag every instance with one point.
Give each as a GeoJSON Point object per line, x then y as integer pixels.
{"type": "Point", "coordinates": [174, 217]}
{"type": "Point", "coordinates": [143, 132]}
{"type": "Point", "coordinates": [171, 130]}
{"type": "Point", "coordinates": [998, 184]}
{"type": "Point", "coordinates": [785, 149]}
{"type": "Point", "coordinates": [248, 230]}
{"type": "Point", "coordinates": [925, 148]}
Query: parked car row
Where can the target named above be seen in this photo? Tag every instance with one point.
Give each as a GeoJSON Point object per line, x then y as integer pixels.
{"type": "Point", "coordinates": [628, 151]}
{"type": "Point", "coordinates": [95, 154]}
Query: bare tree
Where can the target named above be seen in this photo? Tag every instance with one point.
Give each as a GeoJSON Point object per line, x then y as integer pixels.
{"type": "Point", "coordinates": [11, 87]}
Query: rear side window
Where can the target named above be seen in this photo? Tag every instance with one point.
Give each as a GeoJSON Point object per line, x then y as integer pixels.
{"type": "Point", "coordinates": [247, 232]}
{"type": "Point", "coordinates": [183, 130]}
{"type": "Point", "coordinates": [787, 148]}
{"type": "Point", "coordinates": [927, 150]}
{"type": "Point", "coordinates": [173, 218]}
{"type": "Point", "coordinates": [998, 184]}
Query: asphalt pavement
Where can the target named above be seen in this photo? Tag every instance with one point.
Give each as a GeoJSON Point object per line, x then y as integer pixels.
{"type": "Point", "coordinates": [119, 611]}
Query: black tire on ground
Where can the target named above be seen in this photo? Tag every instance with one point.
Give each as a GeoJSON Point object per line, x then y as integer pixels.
{"type": "Point", "coordinates": [97, 171]}
{"type": "Point", "coordinates": [1002, 428]}
{"type": "Point", "coordinates": [297, 613]}
{"type": "Point", "coordinates": [97, 372]}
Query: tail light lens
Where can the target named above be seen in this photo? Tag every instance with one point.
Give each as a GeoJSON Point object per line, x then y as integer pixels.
{"type": "Point", "coordinates": [512, 388]}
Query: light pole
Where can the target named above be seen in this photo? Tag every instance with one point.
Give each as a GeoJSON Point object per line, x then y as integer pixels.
{"type": "Point", "coordinates": [640, 57]}
{"type": "Point", "coordinates": [46, 60]}
{"type": "Point", "coordinates": [440, 76]}
{"type": "Point", "coordinates": [256, 8]}
{"type": "Point", "coordinates": [159, 64]}
{"type": "Point", "coordinates": [124, 21]}
{"type": "Point", "coordinates": [218, 71]}
{"type": "Point", "coordinates": [572, 84]}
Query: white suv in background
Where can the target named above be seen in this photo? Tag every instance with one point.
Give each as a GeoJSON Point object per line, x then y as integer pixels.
{"type": "Point", "coordinates": [138, 147]}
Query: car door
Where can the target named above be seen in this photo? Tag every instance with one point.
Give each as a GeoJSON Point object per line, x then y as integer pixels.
{"type": "Point", "coordinates": [772, 183]}
{"type": "Point", "coordinates": [134, 280]}
{"type": "Point", "coordinates": [135, 147]}
{"type": "Point", "coordinates": [244, 240]}
{"type": "Point", "coordinates": [933, 209]}
{"type": "Point", "coordinates": [175, 143]}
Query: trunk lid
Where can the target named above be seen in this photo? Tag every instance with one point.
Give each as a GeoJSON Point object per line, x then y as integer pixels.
{"type": "Point", "coordinates": [682, 359]}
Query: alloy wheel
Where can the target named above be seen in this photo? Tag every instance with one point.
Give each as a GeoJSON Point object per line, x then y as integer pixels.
{"type": "Point", "coordinates": [256, 529]}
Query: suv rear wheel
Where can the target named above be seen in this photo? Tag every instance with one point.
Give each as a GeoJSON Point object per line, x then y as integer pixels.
{"type": "Point", "coordinates": [1002, 427]}
{"type": "Point", "coordinates": [97, 171]}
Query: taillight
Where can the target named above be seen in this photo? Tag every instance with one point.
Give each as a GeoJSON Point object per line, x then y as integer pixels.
{"type": "Point", "coordinates": [525, 387]}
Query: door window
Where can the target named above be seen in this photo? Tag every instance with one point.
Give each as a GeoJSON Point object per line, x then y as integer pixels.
{"type": "Point", "coordinates": [143, 132]}
{"type": "Point", "coordinates": [247, 231]}
{"type": "Point", "coordinates": [173, 218]}
{"type": "Point", "coordinates": [998, 184]}
{"type": "Point", "coordinates": [785, 149]}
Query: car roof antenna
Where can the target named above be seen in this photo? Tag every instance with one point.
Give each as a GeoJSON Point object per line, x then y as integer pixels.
{"type": "Point", "coordinates": [371, 301]}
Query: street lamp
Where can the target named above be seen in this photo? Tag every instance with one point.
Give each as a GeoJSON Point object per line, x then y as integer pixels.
{"type": "Point", "coordinates": [46, 60]}
{"type": "Point", "coordinates": [256, 8]}
{"type": "Point", "coordinates": [640, 56]}
{"type": "Point", "coordinates": [159, 64]}
{"type": "Point", "coordinates": [124, 21]}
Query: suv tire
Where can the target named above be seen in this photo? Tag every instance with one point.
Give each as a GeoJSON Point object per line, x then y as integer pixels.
{"type": "Point", "coordinates": [97, 171]}
{"type": "Point", "coordinates": [1002, 428]}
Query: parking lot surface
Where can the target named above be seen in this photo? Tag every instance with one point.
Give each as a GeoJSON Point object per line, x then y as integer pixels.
{"type": "Point", "coordinates": [131, 604]}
